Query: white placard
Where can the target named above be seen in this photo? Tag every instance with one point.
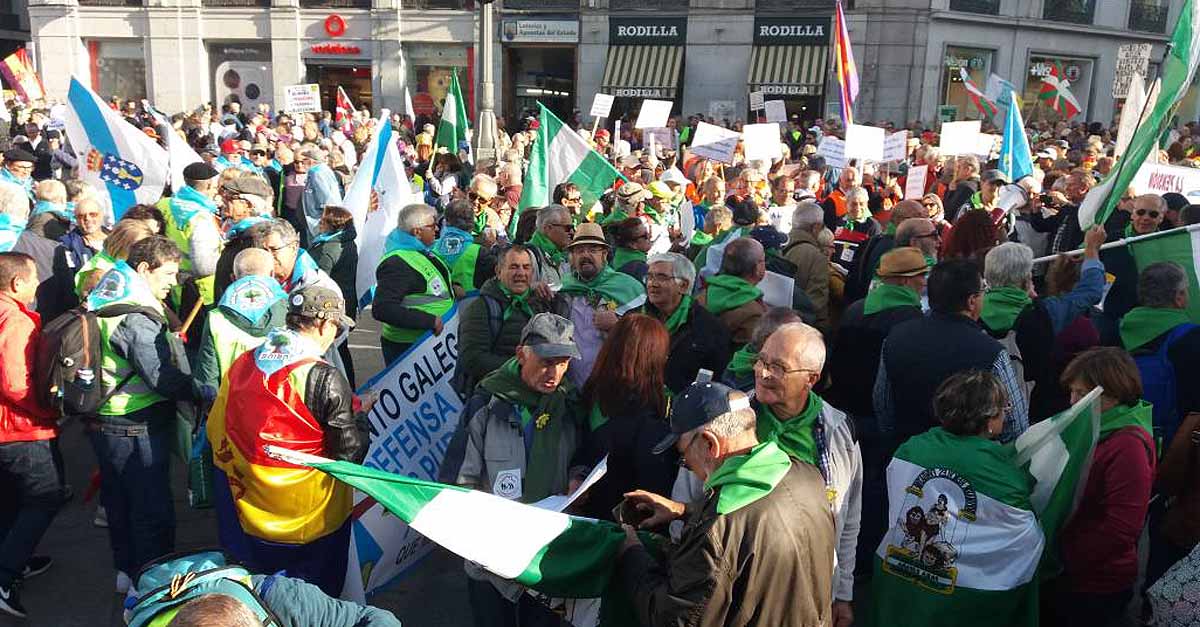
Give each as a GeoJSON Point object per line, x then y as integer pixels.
{"type": "Point", "coordinates": [602, 105]}
{"type": "Point", "coordinates": [960, 138]}
{"type": "Point", "coordinates": [833, 150]}
{"type": "Point", "coordinates": [302, 98]}
{"type": "Point", "coordinates": [1131, 59]}
{"type": "Point", "coordinates": [654, 114]}
{"type": "Point", "coordinates": [864, 142]}
{"type": "Point", "coordinates": [776, 111]}
{"type": "Point", "coordinates": [914, 185]}
{"type": "Point", "coordinates": [1156, 178]}
{"type": "Point", "coordinates": [895, 146]}
{"type": "Point", "coordinates": [762, 141]}
{"type": "Point", "coordinates": [756, 101]}
{"type": "Point", "coordinates": [714, 142]}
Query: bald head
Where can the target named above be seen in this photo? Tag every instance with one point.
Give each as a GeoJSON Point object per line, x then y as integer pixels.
{"type": "Point", "coordinates": [907, 209]}
{"type": "Point", "coordinates": [253, 262]}
{"type": "Point", "coordinates": [804, 343]}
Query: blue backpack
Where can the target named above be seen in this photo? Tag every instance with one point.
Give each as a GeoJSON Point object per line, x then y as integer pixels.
{"type": "Point", "coordinates": [164, 585]}
{"type": "Point", "coordinates": [1159, 386]}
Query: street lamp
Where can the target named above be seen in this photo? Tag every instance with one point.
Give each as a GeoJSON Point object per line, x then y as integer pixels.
{"type": "Point", "coordinates": [485, 131]}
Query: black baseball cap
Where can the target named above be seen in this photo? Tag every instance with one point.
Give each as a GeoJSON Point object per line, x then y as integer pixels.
{"type": "Point", "coordinates": [700, 404]}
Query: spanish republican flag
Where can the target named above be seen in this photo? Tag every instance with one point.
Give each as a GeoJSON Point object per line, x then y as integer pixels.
{"type": "Point", "coordinates": [261, 402]}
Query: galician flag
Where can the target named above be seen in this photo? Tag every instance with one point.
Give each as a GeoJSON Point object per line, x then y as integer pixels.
{"type": "Point", "coordinates": [1015, 159]}
{"type": "Point", "coordinates": [971, 521]}
{"type": "Point", "coordinates": [560, 155]}
{"type": "Point", "coordinates": [1181, 246]}
{"type": "Point", "coordinates": [986, 106]}
{"type": "Point", "coordinates": [452, 128]}
{"type": "Point", "coordinates": [1178, 70]}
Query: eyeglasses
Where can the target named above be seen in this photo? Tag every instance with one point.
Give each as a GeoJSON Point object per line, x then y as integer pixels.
{"type": "Point", "coordinates": [776, 369]}
{"type": "Point", "coordinates": [1147, 212]}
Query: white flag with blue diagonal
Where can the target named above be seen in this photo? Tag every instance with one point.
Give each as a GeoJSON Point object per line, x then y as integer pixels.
{"type": "Point", "coordinates": [115, 157]}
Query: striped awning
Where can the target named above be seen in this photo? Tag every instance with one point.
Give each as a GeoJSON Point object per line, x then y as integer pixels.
{"type": "Point", "coordinates": [789, 70]}
{"type": "Point", "coordinates": [643, 71]}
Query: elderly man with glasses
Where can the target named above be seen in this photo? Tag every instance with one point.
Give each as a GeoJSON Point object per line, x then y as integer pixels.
{"type": "Point", "coordinates": [413, 285]}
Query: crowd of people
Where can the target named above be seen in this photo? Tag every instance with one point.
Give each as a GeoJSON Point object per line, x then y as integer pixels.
{"type": "Point", "coordinates": [642, 322]}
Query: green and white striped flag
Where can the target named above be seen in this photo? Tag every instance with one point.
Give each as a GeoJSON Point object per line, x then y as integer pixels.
{"type": "Point", "coordinates": [1181, 246]}
{"type": "Point", "coordinates": [560, 155]}
{"type": "Point", "coordinates": [452, 127]}
{"type": "Point", "coordinates": [1178, 70]}
{"type": "Point", "coordinates": [972, 524]}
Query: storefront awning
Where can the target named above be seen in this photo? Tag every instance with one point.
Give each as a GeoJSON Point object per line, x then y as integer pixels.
{"type": "Point", "coordinates": [643, 71]}
{"type": "Point", "coordinates": [789, 70]}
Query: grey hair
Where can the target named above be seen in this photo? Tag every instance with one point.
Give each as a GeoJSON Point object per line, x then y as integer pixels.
{"type": "Point", "coordinates": [548, 213]}
{"type": "Point", "coordinates": [809, 344]}
{"type": "Point", "coordinates": [1160, 283]}
{"type": "Point", "coordinates": [253, 262]}
{"type": "Point", "coordinates": [742, 256]}
{"type": "Point", "coordinates": [807, 214]}
{"type": "Point", "coordinates": [414, 216]}
{"type": "Point", "coordinates": [858, 192]}
{"type": "Point", "coordinates": [1008, 265]}
{"type": "Point", "coordinates": [14, 201]}
{"type": "Point", "coordinates": [682, 268]}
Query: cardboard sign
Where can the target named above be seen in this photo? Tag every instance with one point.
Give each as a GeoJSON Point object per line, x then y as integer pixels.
{"type": "Point", "coordinates": [762, 141]}
{"type": "Point", "coordinates": [776, 111]}
{"type": "Point", "coordinates": [756, 101]}
{"type": "Point", "coordinates": [914, 185]}
{"type": "Point", "coordinates": [302, 98]}
{"type": "Point", "coordinates": [654, 114]}
{"type": "Point", "coordinates": [715, 142]}
{"type": "Point", "coordinates": [864, 142]}
{"type": "Point", "coordinates": [895, 146]}
{"type": "Point", "coordinates": [602, 105]}
{"type": "Point", "coordinates": [960, 138]}
{"type": "Point", "coordinates": [833, 150]}
{"type": "Point", "coordinates": [1155, 178]}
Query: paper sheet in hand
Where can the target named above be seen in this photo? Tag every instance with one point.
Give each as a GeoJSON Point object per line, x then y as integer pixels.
{"type": "Point", "coordinates": [960, 138]}
{"type": "Point", "coordinates": [864, 142]}
{"type": "Point", "coordinates": [914, 186]}
{"type": "Point", "coordinates": [654, 114]}
{"type": "Point", "coordinates": [762, 141]}
{"type": "Point", "coordinates": [602, 105]}
{"type": "Point", "coordinates": [714, 142]}
{"type": "Point", "coordinates": [560, 502]}
{"type": "Point", "coordinates": [776, 111]}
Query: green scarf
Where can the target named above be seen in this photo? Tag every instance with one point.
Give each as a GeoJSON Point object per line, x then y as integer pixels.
{"type": "Point", "coordinates": [548, 411]}
{"type": "Point", "coordinates": [516, 302]}
{"type": "Point", "coordinates": [744, 479]}
{"type": "Point", "coordinates": [1143, 324]}
{"type": "Point", "coordinates": [886, 296]}
{"type": "Point", "coordinates": [1121, 416]}
{"type": "Point", "coordinates": [794, 436]}
{"type": "Point", "coordinates": [677, 317]}
{"type": "Point", "coordinates": [623, 256]}
{"type": "Point", "coordinates": [1002, 305]}
{"type": "Point", "coordinates": [742, 363]}
{"type": "Point", "coordinates": [726, 292]}
{"type": "Point", "coordinates": [614, 290]}
{"type": "Point", "coordinates": [543, 243]}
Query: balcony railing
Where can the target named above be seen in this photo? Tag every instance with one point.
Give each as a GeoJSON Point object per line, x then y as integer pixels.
{"type": "Point", "coordinates": [542, 5]}
{"type": "Point", "coordinates": [987, 7]}
{"type": "Point", "coordinates": [1074, 11]}
{"type": "Point", "coordinates": [648, 5]}
{"type": "Point", "coordinates": [1148, 15]}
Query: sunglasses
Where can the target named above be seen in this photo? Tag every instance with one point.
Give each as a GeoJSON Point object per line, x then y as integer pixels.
{"type": "Point", "coordinates": [1147, 212]}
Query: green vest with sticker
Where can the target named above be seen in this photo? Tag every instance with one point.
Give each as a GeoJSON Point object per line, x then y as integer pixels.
{"type": "Point", "coordinates": [436, 300]}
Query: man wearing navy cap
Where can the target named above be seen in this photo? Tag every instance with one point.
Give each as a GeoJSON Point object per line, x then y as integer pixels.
{"type": "Point", "coordinates": [758, 550]}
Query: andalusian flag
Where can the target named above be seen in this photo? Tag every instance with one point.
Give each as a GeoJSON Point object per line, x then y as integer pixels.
{"type": "Point", "coordinates": [1056, 93]}
{"type": "Point", "coordinates": [1181, 246]}
{"type": "Point", "coordinates": [452, 127]}
{"type": "Point", "coordinates": [986, 106]}
{"type": "Point", "coordinates": [843, 64]}
{"type": "Point", "coordinates": [1178, 70]}
{"type": "Point", "coordinates": [560, 155]}
{"type": "Point", "coordinates": [971, 520]}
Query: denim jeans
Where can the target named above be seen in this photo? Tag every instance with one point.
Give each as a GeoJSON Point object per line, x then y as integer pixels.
{"type": "Point", "coordinates": [135, 489]}
{"type": "Point", "coordinates": [32, 491]}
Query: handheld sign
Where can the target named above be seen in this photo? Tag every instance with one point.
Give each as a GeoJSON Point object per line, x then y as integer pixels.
{"type": "Point", "coordinates": [762, 141]}
{"type": "Point", "coordinates": [914, 185]}
{"type": "Point", "coordinates": [776, 111]}
{"type": "Point", "coordinates": [715, 143]}
{"type": "Point", "coordinates": [864, 142]}
{"type": "Point", "coordinates": [654, 114]}
{"type": "Point", "coordinates": [602, 105]}
{"type": "Point", "coordinates": [302, 98]}
{"type": "Point", "coordinates": [960, 138]}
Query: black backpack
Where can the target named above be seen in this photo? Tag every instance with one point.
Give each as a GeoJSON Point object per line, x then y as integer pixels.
{"type": "Point", "coordinates": [67, 373]}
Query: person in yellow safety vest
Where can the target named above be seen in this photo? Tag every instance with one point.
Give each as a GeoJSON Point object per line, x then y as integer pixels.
{"type": "Point", "coordinates": [190, 218]}
{"type": "Point", "coordinates": [252, 305]}
{"type": "Point", "coordinates": [412, 290]}
{"type": "Point", "coordinates": [471, 263]}
{"type": "Point", "coordinates": [133, 433]}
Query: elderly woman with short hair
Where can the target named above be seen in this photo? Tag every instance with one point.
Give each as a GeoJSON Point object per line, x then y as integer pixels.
{"type": "Point", "coordinates": [412, 290]}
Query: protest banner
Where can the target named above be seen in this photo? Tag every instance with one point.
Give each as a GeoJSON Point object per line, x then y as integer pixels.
{"type": "Point", "coordinates": [714, 142]}
{"type": "Point", "coordinates": [776, 111]}
{"type": "Point", "coordinates": [654, 114]}
{"type": "Point", "coordinates": [960, 138]}
{"type": "Point", "coordinates": [1131, 59]}
{"type": "Point", "coordinates": [895, 146]}
{"type": "Point", "coordinates": [914, 185]}
{"type": "Point", "coordinates": [864, 142]}
{"type": "Point", "coordinates": [411, 425]}
{"type": "Point", "coordinates": [756, 101]}
{"type": "Point", "coordinates": [833, 150]}
{"type": "Point", "coordinates": [762, 141]}
{"type": "Point", "coordinates": [302, 98]}
{"type": "Point", "coordinates": [1157, 178]}
{"type": "Point", "coordinates": [602, 105]}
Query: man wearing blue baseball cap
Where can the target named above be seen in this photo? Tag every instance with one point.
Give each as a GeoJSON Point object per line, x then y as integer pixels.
{"type": "Point", "coordinates": [757, 550]}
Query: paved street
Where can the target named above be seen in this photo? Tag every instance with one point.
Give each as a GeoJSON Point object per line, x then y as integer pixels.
{"type": "Point", "coordinates": [78, 590]}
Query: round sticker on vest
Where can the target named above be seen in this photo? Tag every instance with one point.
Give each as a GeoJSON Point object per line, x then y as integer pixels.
{"type": "Point", "coordinates": [437, 287]}
{"type": "Point", "coordinates": [508, 484]}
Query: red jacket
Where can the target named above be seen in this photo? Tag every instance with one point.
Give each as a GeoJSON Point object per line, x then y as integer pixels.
{"type": "Point", "coordinates": [1099, 544]}
{"type": "Point", "coordinates": [22, 417]}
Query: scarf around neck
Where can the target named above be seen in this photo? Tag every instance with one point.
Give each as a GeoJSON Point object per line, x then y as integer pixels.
{"type": "Point", "coordinates": [885, 296]}
{"type": "Point", "coordinates": [1143, 324]}
{"type": "Point", "coordinates": [1002, 305]}
{"type": "Point", "coordinates": [744, 479]}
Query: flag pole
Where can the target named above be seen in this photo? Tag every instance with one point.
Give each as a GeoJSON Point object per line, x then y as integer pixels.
{"type": "Point", "coordinates": [1125, 241]}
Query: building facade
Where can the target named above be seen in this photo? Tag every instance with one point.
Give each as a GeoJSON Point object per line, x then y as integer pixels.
{"type": "Point", "coordinates": [704, 55]}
